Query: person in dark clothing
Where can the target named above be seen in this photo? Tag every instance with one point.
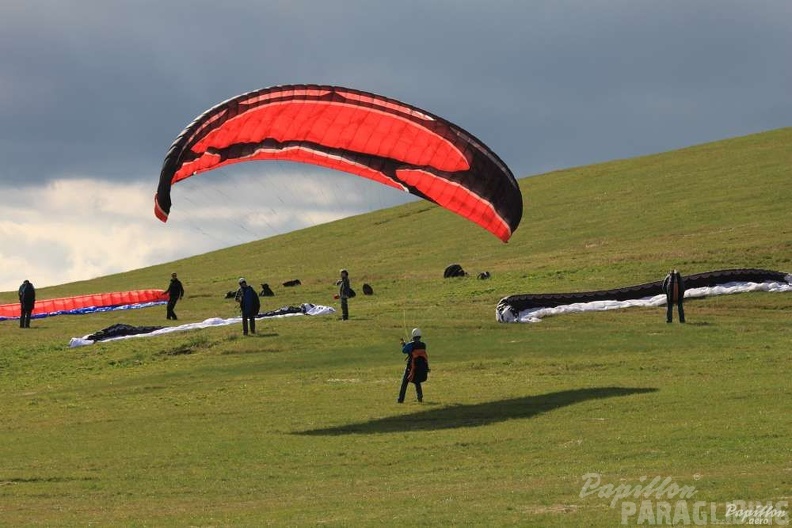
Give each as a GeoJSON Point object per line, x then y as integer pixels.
{"type": "Point", "coordinates": [417, 367]}
{"type": "Point", "coordinates": [344, 293]}
{"type": "Point", "coordinates": [250, 304]}
{"type": "Point", "coordinates": [27, 301]}
{"type": "Point", "coordinates": [175, 292]}
{"type": "Point", "coordinates": [674, 289]}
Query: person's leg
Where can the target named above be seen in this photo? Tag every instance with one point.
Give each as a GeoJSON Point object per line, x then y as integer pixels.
{"type": "Point", "coordinates": [403, 389]}
{"type": "Point", "coordinates": [244, 325]}
{"type": "Point", "coordinates": [344, 309]}
{"type": "Point", "coordinates": [669, 311]}
{"type": "Point", "coordinates": [252, 325]}
{"type": "Point", "coordinates": [22, 317]}
{"type": "Point", "coordinates": [681, 310]}
{"type": "Point", "coordinates": [419, 392]}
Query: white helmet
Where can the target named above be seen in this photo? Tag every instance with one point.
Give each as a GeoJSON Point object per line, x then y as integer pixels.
{"type": "Point", "coordinates": [416, 332]}
{"type": "Point", "coordinates": [241, 280]}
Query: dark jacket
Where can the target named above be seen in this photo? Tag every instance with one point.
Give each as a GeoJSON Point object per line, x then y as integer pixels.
{"type": "Point", "coordinates": [175, 289]}
{"type": "Point", "coordinates": [674, 287]}
{"type": "Point", "coordinates": [248, 301]}
{"type": "Point", "coordinates": [344, 289]}
{"type": "Point", "coordinates": [27, 295]}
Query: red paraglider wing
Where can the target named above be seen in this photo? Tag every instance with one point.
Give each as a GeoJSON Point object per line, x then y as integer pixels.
{"type": "Point", "coordinates": [356, 132]}
{"type": "Point", "coordinates": [78, 302]}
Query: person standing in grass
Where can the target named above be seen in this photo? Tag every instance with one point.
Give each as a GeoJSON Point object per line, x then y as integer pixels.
{"type": "Point", "coordinates": [175, 292]}
{"type": "Point", "coordinates": [27, 301]}
{"type": "Point", "coordinates": [345, 293]}
{"type": "Point", "coordinates": [250, 304]}
{"type": "Point", "coordinates": [417, 368]}
{"type": "Point", "coordinates": [674, 289]}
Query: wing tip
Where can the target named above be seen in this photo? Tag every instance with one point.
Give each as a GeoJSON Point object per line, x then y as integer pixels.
{"type": "Point", "coordinates": [159, 212]}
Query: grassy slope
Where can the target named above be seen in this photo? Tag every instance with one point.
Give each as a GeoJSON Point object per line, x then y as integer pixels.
{"type": "Point", "coordinates": [299, 426]}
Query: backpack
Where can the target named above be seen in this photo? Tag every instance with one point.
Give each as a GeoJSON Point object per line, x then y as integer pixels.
{"type": "Point", "coordinates": [454, 270]}
{"type": "Point", "coordinates": [419, 366]}
{"type": "Point", "coordinates": [256, 302]}
{"type": "Point", "coordinates": [351, 293]}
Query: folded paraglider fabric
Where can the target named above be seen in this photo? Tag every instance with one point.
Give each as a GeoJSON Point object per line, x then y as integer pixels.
{"type": "Point", "coordinates": [94, 302]}
{"type": "Point", "coordinates": [531, 308]}
{"type": "Point", "coordinates": [123, 331]}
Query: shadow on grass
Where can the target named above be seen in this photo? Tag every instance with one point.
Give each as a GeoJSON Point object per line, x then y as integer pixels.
{"type": "Point", "coordinates": [478, 414]}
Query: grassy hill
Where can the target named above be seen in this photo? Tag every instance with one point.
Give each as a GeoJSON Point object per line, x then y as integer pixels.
{"type": "Point", "coordinates": [299, 425]}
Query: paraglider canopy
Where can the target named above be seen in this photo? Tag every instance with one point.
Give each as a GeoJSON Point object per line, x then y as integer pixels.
{"type": "Point", "coordinates": [357, 132]}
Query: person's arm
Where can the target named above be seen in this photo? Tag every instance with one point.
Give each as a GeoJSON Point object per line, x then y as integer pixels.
{"type": "Point", "coordinates": [344, 293]}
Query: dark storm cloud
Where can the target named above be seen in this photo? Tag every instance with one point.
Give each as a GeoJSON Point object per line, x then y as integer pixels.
{"type": "Point", "coordinates": [100, 89]}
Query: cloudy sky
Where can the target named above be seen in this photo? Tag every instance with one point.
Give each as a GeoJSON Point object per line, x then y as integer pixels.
{"type": "Point", "coordinates": [93, 92]}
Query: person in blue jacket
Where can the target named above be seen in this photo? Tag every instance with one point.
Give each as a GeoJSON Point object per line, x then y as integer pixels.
{"type": "Point", "coordinates": [417, 368]}
{"type": "Point", "coordinates": [250, 304]}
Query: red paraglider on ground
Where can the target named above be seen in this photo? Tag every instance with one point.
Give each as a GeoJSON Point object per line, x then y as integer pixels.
{"type": "Point", "coordinates": [356, 132]}
{"type": "Point", "coordinates": [87, 303]}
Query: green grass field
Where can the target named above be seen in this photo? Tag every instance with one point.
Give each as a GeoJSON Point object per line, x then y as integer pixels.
{"type": "Point", "coordinates": [299, 425]}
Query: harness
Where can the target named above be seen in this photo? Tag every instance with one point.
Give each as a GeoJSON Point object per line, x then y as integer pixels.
{"type": "Point", "coordinates": [416, 353]}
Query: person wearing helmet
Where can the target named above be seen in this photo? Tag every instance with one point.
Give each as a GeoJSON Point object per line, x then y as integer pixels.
{"type": "Point", "coordinates": [417, 368]}
{"type": "Point", "coordinates": [249, 302]}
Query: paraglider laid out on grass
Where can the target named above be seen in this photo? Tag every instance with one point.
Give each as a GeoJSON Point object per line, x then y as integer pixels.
{"type": "Point", "coordinates": [122, 331]}
{"type": "Point", "coordinates": [361, 133]}
{"type": "Point", "coordinates": [82, 304]}
{"type": "Point", "coordinates": [531, 308]}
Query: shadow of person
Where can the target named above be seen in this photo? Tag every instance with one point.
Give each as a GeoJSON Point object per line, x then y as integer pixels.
{"type": "Point", "coordinates": [478, 414]}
